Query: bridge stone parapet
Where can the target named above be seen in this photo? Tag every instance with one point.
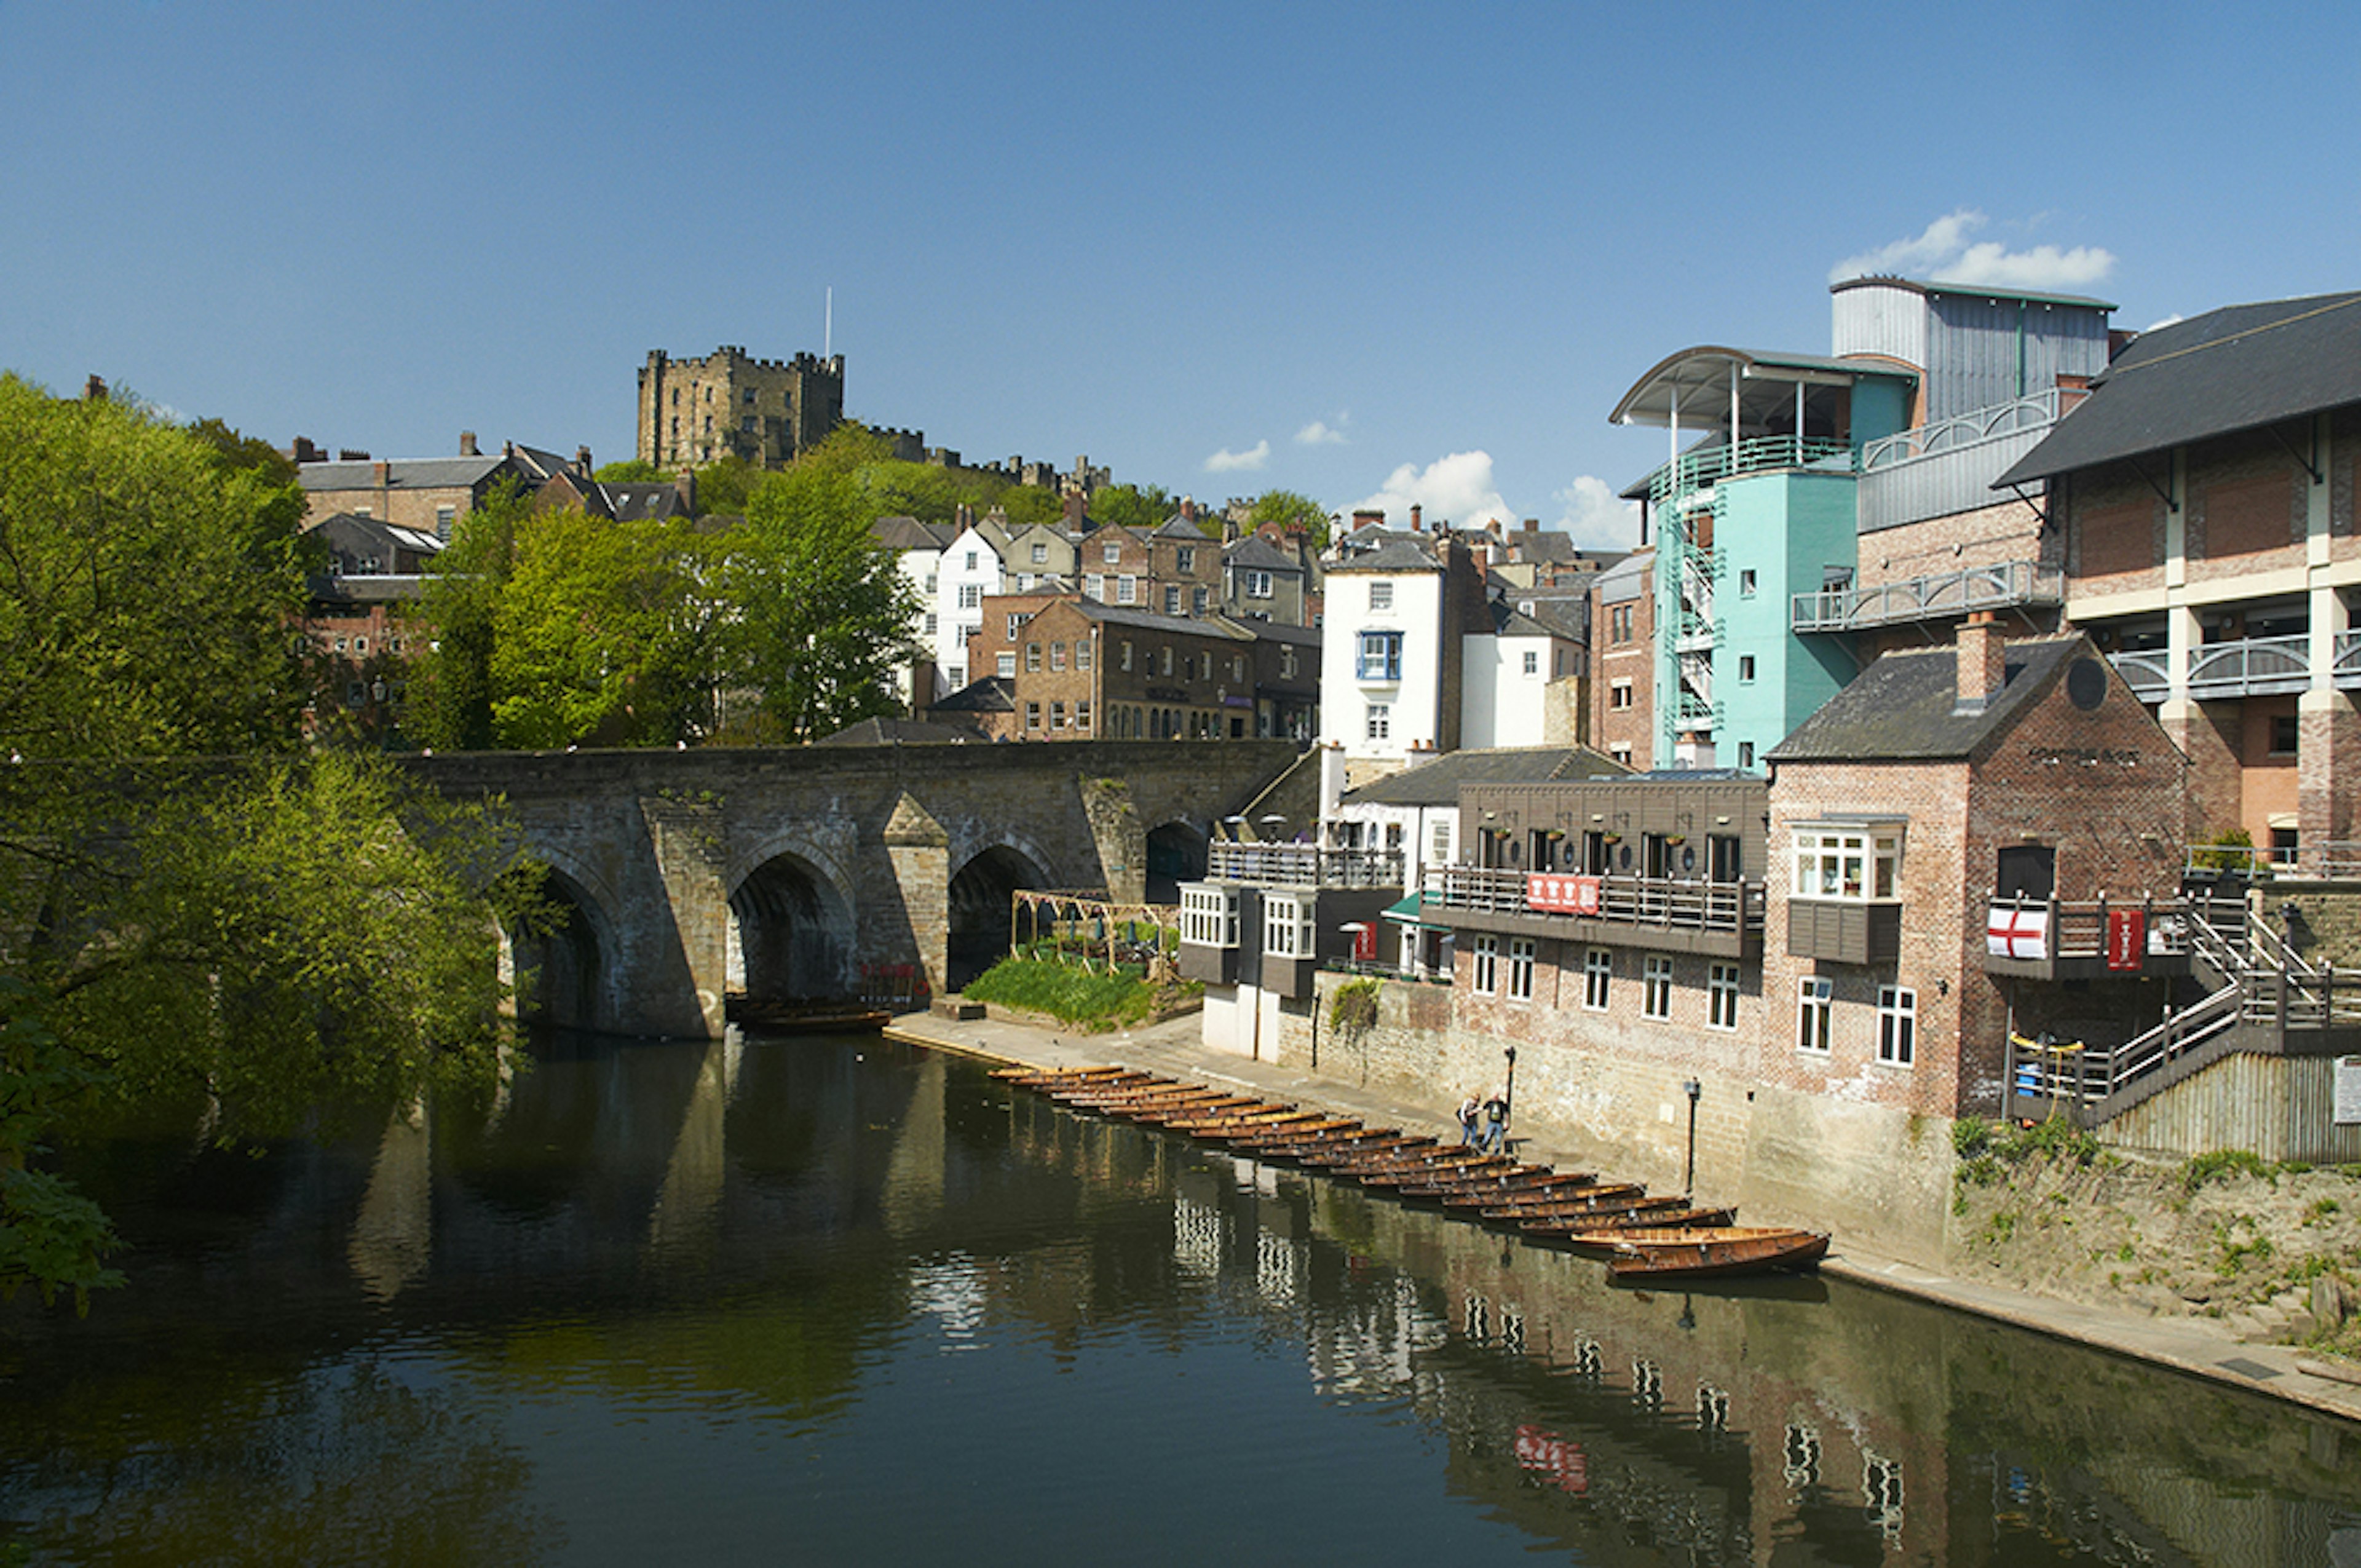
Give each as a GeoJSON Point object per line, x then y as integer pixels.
{"type": "Point", "coordinates": [791, 868]}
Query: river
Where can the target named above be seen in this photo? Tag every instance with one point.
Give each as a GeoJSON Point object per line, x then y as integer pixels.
{"type": "Point", "coordinates": [842, 1300]}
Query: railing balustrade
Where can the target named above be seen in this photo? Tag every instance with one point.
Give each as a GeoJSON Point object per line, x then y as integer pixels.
{"type": "Point", "coordinates": [1302, 865]}
{"type": "Point", "coordinates": [2250, 666]}
{"type": "Point", "coordinates": [1622, 900]}
{"type": "Point", "coordinates": [2031, 412]}
{"type": "Point", "coordinates": [1696, 470]}
{"type": "Point", "coordinates": [2009, 585]}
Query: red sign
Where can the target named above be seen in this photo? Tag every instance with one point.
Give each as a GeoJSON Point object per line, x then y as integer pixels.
{"type": "Point", "coordinates": [2126, 938]}
{"type": "Point", "coordinates": [1562, 894]}
{"type": "Point", "coordinates": [1546, 1454]}
{"type": "Point", "coordinates": [1365, 944]}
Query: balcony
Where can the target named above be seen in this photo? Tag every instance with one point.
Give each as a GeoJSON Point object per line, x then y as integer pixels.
{"type": "Point", "coordinates": [2011, 584]}
{"type": "Point", "coordinates": [1302, 865]}
{"type": "Point", "coordinates": [1723, 919]}
{"type": "Point", "coordinates": [2252, 667]}
{"type": "Point", "coordinates": [1697, 470]}
{"type": "Point", "coordinates": [2056, 938]}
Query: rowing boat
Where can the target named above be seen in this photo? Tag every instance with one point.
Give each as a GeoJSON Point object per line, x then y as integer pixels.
{"type": "Point", "coordinates": [1703, 1251]}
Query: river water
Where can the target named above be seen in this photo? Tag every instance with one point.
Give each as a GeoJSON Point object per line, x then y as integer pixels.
{"type": "Point", "coordinates": [839, 1301]}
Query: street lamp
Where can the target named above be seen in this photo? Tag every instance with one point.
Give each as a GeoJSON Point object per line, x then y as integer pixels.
{"type": "Point", "coordinates": [1691, 1088]}
{"type": "Point", "coordinates": [1508, 1092]}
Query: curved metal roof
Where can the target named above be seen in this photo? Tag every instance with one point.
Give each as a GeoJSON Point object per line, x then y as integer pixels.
{"type": "Point", "coordinates": [1699, 378]}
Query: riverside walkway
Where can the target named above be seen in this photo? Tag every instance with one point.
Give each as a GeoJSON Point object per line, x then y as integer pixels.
{"type": "Point", "coordinates": [2198, 1346]}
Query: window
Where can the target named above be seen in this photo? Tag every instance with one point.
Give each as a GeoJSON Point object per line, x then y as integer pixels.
{"type": "Point", "coordinates": [970, 596]}
{"type": "Point", "coordinates": [1032, 716]}
{"type": "Point", "coordinates": [747, 424]}
{"type": "Point", "coordinates": [1015, 619]}
{"type": "Point", "coordinates": [2284, 729]}
{"type": "Point", "coordinates": [1041, 553]}
{"type": "Point", "coordinates": [1111, 554]}
{"type": "Point", "coordinates": [1199, 598]}
{"type": "Point", "coordinates": [1007, 665]}
{"type": "Point", "coordinates": [1520, 968]}
{"type": "Point", "coordinates": [1126, 589]}
{"type": "Point", "coordinates": [360, 645]}
{"type": "Point", "coordinates": [1056, 716]}
{"type": "Point", "coordinates": [1619, 622]}
{"type": "Point", "coordinates": [1657, 987]}
{"type": "Point", "coordinates": [933, 581]}
{"type": "Point", "coordinates": [749, 396]}
{"type": "Point", "coordinates": [1185, 560]}
{"type": "Point", "coordinates": [1095, 585]}
{"type": "Point", "coordinates": [1032, 658]}
{"type": "Point", "coordinates": [1848, 863]}
{"type": "Point", "coordinates": [1618, 695]}
{"type": "Point", "coordinates": [1815, 1000]}
{"type": "Point", "coordinates": [1746, 754]}
{"type": "Point", "coordinates": [956, 674]}
{"type": "Point", "coordinates": [932, 622]}
{"type": "Point", "coordinates": [1746, 667]}
{"type": "Point", "coordinates": [1438, 841]}
{"type": "Point", "coordinates": [1898, 1025]}
{"type": "Point", "coordinates": [1238, 666]}
{"type": "Point", "coordinates": [1083, 653]}
{"type": "Point", "coordinates": [1746, 584]}
{"type": "Point", "coordinates": [1125, 659]}
{"type": "Point", "coordinates": [1057, 655]}
{"type": "Point", "coordinates": [971, 560]}
{"type": "Point", "coordinates": [1083, 714]}
{"type": "Point", "coordinates": [1172, 600]}
{"type": "Point", "coordinates": [1164, 659]}
{"type": "Point", "coordinates": [1257, 585]}
{"type": "Point", "coordinates": [1380, 723]}
{"type": "Point", "coordinates": [1721, 997]}
{"type": "Point", "coordinates": [1286, 928]}
{"type": "Point", "coordinates": [1287, 664]}
{"type": "Point", "coordinates": [1598, 969]}
{"type": "Point", "coordinates": [1486, 969]}
{"type": "Point", "coordinates": [1533, 663]}
{"type": "Point", "coordinates": [1209, 916]}
{"type": "Point", "coordinates": [1620, 754]}
{"type": "Point", "coordinates": [444, 517]}
{"type": "Point", "coordinates": [1381, 656]}
{"type": "Point", "coordinates": [1381, 596]}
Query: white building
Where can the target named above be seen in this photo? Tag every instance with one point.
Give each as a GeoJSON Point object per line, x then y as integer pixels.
{"type": "Point", "coordinates": [1399, 606]}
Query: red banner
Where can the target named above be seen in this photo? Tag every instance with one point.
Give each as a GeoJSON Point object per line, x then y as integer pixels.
{"type": "Point", "coordinates": [1546, 1454]}
{"type": "Point", "coordinates": [2127, 940]}
{"type": "Point", "coordinates": [1562, 894]}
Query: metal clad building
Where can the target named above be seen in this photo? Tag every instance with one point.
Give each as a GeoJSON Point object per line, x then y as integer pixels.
{"type": "Point", "coordinates": [1978, 346]}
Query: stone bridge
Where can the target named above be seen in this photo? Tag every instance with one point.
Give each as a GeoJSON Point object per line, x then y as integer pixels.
{"type": "Point", "coordinates": [792, 871]}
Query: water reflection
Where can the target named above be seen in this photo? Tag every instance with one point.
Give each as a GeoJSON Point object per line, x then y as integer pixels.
{"type": "Point", "coordinates": [654, 1301]}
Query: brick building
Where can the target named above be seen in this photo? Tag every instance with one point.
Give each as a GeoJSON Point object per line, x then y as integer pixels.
{"type": "Point", "coordinates": [1623, 661]}
{"type": "Point", "coordinates": [729, 404]}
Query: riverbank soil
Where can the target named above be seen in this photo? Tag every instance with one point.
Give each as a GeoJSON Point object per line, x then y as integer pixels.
{"type": "Point", "coordinates": [2274, 1252]}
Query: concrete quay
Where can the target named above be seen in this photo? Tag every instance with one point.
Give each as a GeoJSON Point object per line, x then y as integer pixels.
{"type": "Point", "coordinates": [2199, 1347]}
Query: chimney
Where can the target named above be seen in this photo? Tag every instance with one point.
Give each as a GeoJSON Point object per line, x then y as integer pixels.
{"type": "Point", "coordinates": [93, 391]}
{"type": "Point", "coordinates": [1188, 509]}
{"type": "Point", "coordinates": [582, 459]}
{"type": "Point", "coordinates": [685, 486]}
{"type": "Point", "coordinates": [1414, 524]}
{"type": "Point", "coordinates": [1983, 662]}
{"type": "Point", "coordinates": [468, 445]}
{"type": "Point", "coordinates": [963, 517]}
{"type": "Point", "coordinates": [1533, 525]}
{"type": "Point", "coordinates": [1075, 501]}
{"type": "Point", "coordinates": [306, 452]}
{"type": "Point", "coordinates": [381, 474]}
{"type": "Point", "coordinates": [1362, 519]}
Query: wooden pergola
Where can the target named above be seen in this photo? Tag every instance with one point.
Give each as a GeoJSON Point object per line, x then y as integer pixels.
{"type": "Point", "coordinates": [1099, 933]}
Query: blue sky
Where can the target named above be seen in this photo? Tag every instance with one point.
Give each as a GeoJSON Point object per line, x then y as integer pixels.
{"type": "Point", "coordinates": [1403, 252]}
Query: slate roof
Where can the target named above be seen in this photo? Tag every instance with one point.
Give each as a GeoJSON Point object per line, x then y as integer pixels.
{"type": "Point", "coordinates": [905, 532]}
{"type": "Point", "coordinates": [1631, 578]}
{"type": "Point", "coordinates": [1396, 554]}
{"type": "Point", "coordinates": [1253, 553]}
{"type": "Point", "coordinates": [992, 694]}
{"type": "Point", "coordinates": [900, 732]}
{"type": "Point", "coordinates": [2239, 367]}
{"type": "Point", "coordinates": [640, 500]}
{"type": "Point", "coordinates": [1437, 783]}
{"type": "Point", "coordinates": [1179, 527]}
{"type": "Point", "coordinates": [1904, 707]}
{"type": "Point", "coordinates": [405, 473]}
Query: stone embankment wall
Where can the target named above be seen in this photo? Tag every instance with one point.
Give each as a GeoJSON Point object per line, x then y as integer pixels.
{"type": "Point", "coordinates": [1875, 1174]}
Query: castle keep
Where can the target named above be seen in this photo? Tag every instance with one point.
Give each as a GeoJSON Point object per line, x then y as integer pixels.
{"type": "Point", "coordinates": [729, 404]}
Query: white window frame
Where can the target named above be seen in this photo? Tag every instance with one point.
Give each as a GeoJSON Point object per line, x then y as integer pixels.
{"type": "Point", "coordinates": [1598, 979]}
{"type": "Point", "coordinates": [1381, 595]}
{"type": "Point", "coordinates": [1438, 841]}
{"type": "Point", "coordinates": [1007, 670]}
{"type": "Point", "coordinates": [1484, 964]}
{"type": "Point", "coordinates": [1846, 863]}
{"type": "Point", "coordinates": [1083, 646]}
{"type": "Point", "coordinates": [1126, 589]}
{"type": "Point", "coordinates": [1379, 723]}
{"type": "Point", "coordinates": [1381, 658]}
{"type": "Point", "coordinates": [1533, 662]}
{"type": "Point", "coordinates": [970, 596]}
{"type": "Point", "coordinates": [1814, 1015]}
{"type": "Point", "coordinates": [1520, 968]}
{"type": "Point", "coordinates": [1257, 585]}
{"type": "Point", "coordinates": [1656, 988]}
{"type": "Point", "coordinates": [1618, 695]}
{"type": "Point", "coordinates": [1286, 928]}
{"type": "Point", "coordinates": [1721, 990]}
{"type": "Point", "coordinates": [1898, 1025]}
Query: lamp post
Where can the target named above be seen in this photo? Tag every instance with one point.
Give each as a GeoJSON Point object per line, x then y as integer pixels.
{"type": "Point", "coordinates": [1691, 1088]}
{"type": "Point", "coordinates": [1509, 1094]}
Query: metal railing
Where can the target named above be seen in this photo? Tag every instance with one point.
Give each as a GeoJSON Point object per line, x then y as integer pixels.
{"type": "Point", "coordinates": [2251, 666]}
{"type": "Point", "coordinates": [1972, 428]}
{"type": "Point", "coordinates": [1663, 902]}
{"type": "Point", "coordinates": [2010, 584]}
{"type": "Point", "coordinates": [2336, 859]}
{"type": "Point", "coordinates": [1302, 865]}
{"type": "Point", "coordinates": [1694, 471]}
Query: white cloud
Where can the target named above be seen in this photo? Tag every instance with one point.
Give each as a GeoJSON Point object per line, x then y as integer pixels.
{"type": "Point", "coordinates": [1318, 433]}
{"type": "Point", "coordinates": [2175, 319]}
{"type": "Point", "coordinates": [1228, 461]}
{"type": "Point", "coordinates": [1596, 517]}
{"type": "Point", "coordinates": [1944, 252]}
{"type": "Point", "coordinates": [1457, 489]}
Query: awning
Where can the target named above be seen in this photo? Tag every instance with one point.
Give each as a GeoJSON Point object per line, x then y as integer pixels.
{"type": "Point", "coordinates": [1407, 911]}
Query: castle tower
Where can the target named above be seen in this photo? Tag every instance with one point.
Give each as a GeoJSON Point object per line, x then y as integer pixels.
{"type": "Point", "coordinates": [767, 411]}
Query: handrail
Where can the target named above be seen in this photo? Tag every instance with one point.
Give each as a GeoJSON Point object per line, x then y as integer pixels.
{"type": "Point", "coordinates": [1622, 900]}
{"type": "Point", "coordinates": [2334, 860]}
{"type": "Point", "coordinates": [1970, 429]}
{"type": "Point", "coordinates": [1302, 865]}
{"type": "Point", "coordinates": [2005, 584]}
{"type": "Point", "coordinates": [1707, 465]}
{"type": "Point", "coordinates": [2249, 666]}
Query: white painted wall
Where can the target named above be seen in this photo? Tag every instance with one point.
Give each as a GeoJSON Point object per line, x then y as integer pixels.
{"type": "Point", "coordinates": [1414, 703]}
{"type": "Point", "coordinates": [971, 561]}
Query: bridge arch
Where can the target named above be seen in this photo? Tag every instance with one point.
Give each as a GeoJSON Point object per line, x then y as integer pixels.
{"type": "Point", "coordinates": [567, 970]}
{"type": "Point", "coordinates": [978, 904]}
{"type": "Point", "coordinates": [793, 927]}
{"type": "Point", "coordinates": [1176, 853]}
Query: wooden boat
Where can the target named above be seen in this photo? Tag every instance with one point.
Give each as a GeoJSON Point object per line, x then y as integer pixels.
{"type": "Point", "coordinates": [1473, 1191]}
{"type": "Point", "coordinates": [1317, 1152]}
{"type": "Point", "coordinates": [1571, 1202]}
{"type": "Point", "coordinates": [1227, 1129]}
{"type": "Point", "coordinates": [815, 1018]}
{"type": "Point", "coordinates": [1294, 1131]}
{"type": "Point", "coordinates": [1600, 1238]}
{"type": "Point", "coordinates": [1188, 1113]}
{"type": "Point", "coordinates": [1706, 1251]}
{"type": "Point", "coordinates": [1339, 1159]}
{"type": "Point", "coordinates": [1036, 1077]}
{"type": "Point", "coordinates": [1454, 1182]}
{"type": "Point", "coordinates": [1419, 1172]}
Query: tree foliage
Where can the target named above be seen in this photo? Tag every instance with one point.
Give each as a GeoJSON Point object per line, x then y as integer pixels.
{"type": "Point", "coordinates": [1288, 509]}
{"type": "Point", "coordinates": [630, 471]}
{"type": "Point", "coordinates": [192, 904]}
{"type": "Point", "coordinates": [1140, 508]}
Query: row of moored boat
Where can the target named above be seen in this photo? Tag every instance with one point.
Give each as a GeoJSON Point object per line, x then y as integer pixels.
{"type": "Point", "coordinates": [1616, 1221]}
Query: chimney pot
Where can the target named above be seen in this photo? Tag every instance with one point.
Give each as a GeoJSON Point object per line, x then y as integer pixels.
{"type": "Point", "coordinates": [1414, 523]}
{"type": "Point", "coordinates": [380, 474]}
{"type": "Point", "coordinates": [582, 458]}
{"type": "Point", "coordinates": [468, 444]}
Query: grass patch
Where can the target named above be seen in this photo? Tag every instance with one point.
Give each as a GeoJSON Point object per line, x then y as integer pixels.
{"type": "Point", "coordinates": [2222, 1164]}
{"type": "Point", "coordinates": [1086, 1000]}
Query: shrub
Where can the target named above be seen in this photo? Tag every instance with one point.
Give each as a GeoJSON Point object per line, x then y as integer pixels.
{"type": "Point", "coordinates": [1354, 1006]}
{"type": "Point", "coordinates": [1070, 995]}
{"type": "Point", "coordinates": [2221, 1164]}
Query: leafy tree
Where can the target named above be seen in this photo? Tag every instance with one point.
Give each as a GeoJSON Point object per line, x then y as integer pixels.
{"type": "Point", "coordinates": [258, 934]}
{"type": "Point", "coordinates": [601, 634]}
{"type": "Point", "coordinates": [1142, 507]}
{"type": "Point", "coordinates": [451, 688]}
{"type": "Point", "coordinates": [723, 485]}
{"type": "Point", "coordinates": [1029, 504]}
{"type": "Point", "coordinates": [821, 615]}
{"type": "Point", "coordinates": [1288, 509]}
{"type": "Point", "coordinates": [630, 471]}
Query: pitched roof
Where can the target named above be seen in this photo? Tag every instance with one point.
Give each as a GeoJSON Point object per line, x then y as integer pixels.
{"type": "Point", "coordinates": [1437, 783]}
{"type": "Point", "coordinates": [904, 532]}
{"type": "Point", "coordinates": [899, 732]}
{"type": "Point", "coordinates": [639, 501]}
{"type": "Point", "coordinates": [402, 473]}
{"type": "Point", "coordinates": [1904, 708]}
{"type": "Point", "coordinates": [1631, 578]}
{"type": "Point", "coordinates": [2239, 367]}
{"type": "Point", "coordinates": [1254, 552]}
{"type": "Point", "coordinates": [1394, 553]}
{"type": "Point", "coordinates": [992, 694]}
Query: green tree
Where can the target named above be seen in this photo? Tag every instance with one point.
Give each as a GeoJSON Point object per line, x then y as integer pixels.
{"type": "Point", "coordinates": [1029, 504]}
{"type": "Point", "coordinates": [1287, 509]}
{"type": "Point", "coordinates": [191, 904]}
{"type": "Point", "coordinates": [723, 485]}
{"type": "Point", "coordinates": [1142, 507]}
{"type": "Point", "coordinates": [821, 615]}
{"type": "Point", "coordinates": [451, 686]}
{"type": "Point", "coordinates": [630, 471]}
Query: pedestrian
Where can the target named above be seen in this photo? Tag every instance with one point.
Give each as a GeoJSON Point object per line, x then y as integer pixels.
{"type": "Point", "coordinates": [1468, 1111]}
{"type": "Point", "coordinates": [1495, 1123]}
